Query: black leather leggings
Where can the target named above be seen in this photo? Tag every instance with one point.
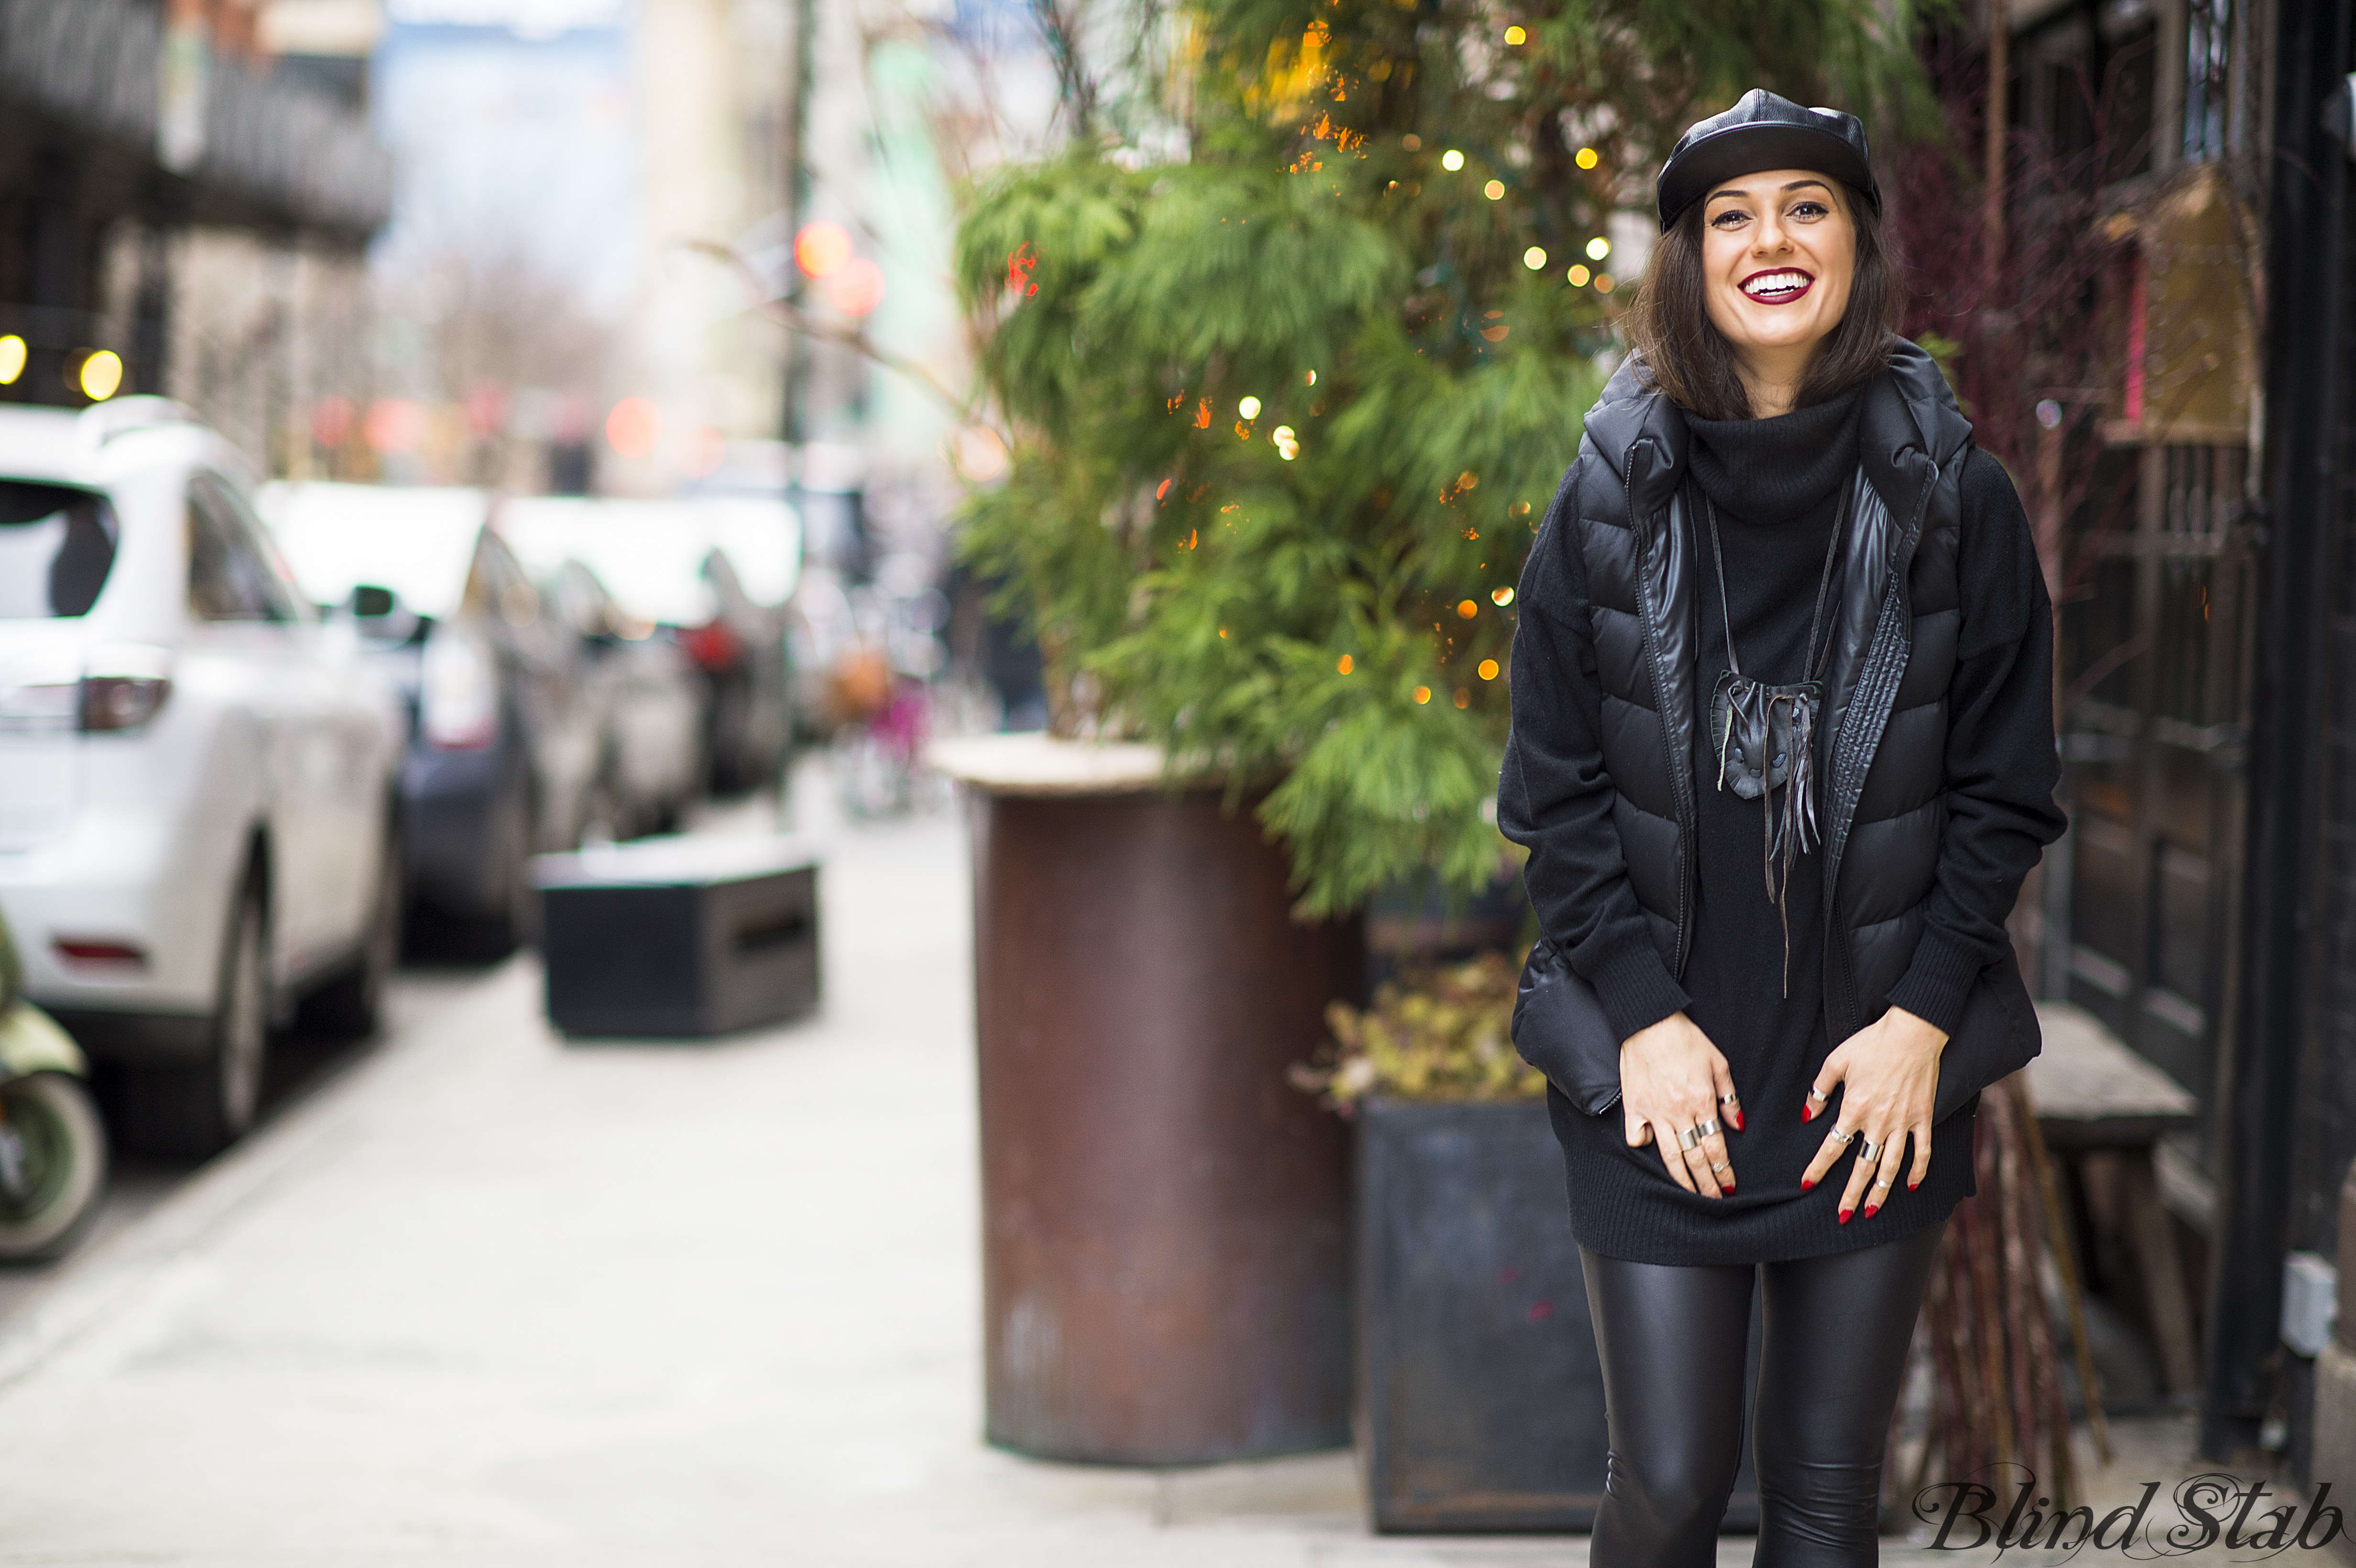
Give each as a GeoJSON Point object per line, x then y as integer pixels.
{"type": "Point", "coordinates": [1673, 1340]}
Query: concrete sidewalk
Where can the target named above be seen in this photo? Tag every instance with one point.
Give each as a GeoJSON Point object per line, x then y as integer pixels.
{"type": "Point", "coordinates": [493, 1300]}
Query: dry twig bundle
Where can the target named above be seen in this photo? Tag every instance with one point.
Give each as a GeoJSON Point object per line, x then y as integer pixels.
{"type": "Point", "coordinates": [1997, 1396]}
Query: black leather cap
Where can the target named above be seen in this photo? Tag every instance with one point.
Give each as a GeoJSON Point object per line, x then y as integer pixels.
{"type": "Point", "coordinates": [1763, 131]}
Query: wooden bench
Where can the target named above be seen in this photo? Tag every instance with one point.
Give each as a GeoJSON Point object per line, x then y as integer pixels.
{"type": "Point", "coordinates": [2092, 1094]}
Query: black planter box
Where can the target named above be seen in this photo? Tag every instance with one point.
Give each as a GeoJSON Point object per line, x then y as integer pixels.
{"type": "Point", "coordinates": [679, 936]}
{"type": "Point", "coordinates": [1480, 1396]}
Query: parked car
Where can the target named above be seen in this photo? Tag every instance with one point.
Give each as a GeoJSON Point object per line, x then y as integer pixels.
{"type": "Point", "coordinates": [714, 575]}
{"type": "Point", "coordinates": [505, 756]}
{"type": "Point", "coordinates": [648, 700]}
{"type": "Point", "coordinates": [197, 774]}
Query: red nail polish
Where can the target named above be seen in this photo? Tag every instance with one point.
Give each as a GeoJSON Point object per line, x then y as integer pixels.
{"type": "Point", "coordinates": [1912, 1185]}
{"type": "Point", "coordinates": [1871, 1210]}
{"type": "Point", "coordinates": [1805, 1184]}
{"type": "Point", "coordinates": [1737, 1120]}
{"type": "Point", "coordinates": [1729, 1186]}
{"type": "Point", "coordinates": [1807, 1113]}
{"type": "Point", "coordinates": [1845, 1214]}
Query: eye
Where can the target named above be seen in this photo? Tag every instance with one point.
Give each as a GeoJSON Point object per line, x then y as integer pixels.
{"type": "Point", "coordinates": [1810, 208]}
{"type": "Point", "coordinates": [1732, 215]}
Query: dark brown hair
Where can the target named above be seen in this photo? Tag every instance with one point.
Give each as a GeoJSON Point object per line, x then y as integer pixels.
{"type": "Point", "coordinates": [1691, 360]}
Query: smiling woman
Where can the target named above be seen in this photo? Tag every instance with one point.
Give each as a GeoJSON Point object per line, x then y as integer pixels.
{"type": "Point", "coordinates": [1782, 752]}
{"type": "Point", "coordinates": [1718, 319]}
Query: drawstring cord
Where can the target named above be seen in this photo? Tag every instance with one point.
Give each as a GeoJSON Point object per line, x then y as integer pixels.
{"type": "Point", "coordinates": [1789, 828]}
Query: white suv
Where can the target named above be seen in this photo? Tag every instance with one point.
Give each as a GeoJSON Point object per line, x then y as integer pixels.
{"type": "Point", "coordinates": [194, 772]}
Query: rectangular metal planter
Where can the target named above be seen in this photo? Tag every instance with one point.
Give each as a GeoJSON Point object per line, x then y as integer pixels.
{"type": "Point", "coordinates": [1480, 1398]}
{"type": "Point", "coordinates": [679, 937]}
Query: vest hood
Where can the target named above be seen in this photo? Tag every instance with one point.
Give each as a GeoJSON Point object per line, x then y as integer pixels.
{"type": "Point", "coordinates": [1908, 415]}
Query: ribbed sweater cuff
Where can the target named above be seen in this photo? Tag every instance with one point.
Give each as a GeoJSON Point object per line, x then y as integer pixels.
{"type": "Point", "coordinates": [1939, 982]}
{"type": "Point", "coordinates": [1636, 987]}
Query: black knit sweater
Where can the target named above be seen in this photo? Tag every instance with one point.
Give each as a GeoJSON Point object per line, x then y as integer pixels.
{"type": "Point", "coordinates": [1775, 483]}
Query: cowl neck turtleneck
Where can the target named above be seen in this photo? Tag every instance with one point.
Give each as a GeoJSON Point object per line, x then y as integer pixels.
{"type": "Point", "coordinates": [1774, 470]}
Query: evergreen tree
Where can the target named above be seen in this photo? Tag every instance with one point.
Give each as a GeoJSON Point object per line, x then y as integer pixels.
{"type": "Point", "coordinates": [1286, 411]}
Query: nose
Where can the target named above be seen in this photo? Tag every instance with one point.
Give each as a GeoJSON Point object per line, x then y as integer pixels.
{"type": "Point", "coordinates": [1769, 235]}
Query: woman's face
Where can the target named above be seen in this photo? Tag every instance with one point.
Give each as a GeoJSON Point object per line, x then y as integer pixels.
{"type": "Point", "coordinates": [1778, 251]}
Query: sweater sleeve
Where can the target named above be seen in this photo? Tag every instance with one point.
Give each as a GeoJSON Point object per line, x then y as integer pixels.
{"type": "Point", "coordinates": [1554, 796]}
{"type": "Point", "coordinates": [2002, 762]}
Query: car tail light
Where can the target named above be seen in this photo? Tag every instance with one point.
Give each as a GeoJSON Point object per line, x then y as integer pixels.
{"type": "Point", "coordinates": [458, 700]}
{"type": "Point", "coordinates": [121, 689]}
{"type": "Point", "coordinates": [124, 686]}
{"type": "Point", "coordinates": [715, 646]}
{"type": "Point", "coordinates": [99, 950]}
{"type": "Point", "coordinates": [122, 701]}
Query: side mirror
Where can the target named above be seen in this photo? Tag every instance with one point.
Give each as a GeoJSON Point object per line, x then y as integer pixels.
{"type": "Point", "coordinates": [370, 602]}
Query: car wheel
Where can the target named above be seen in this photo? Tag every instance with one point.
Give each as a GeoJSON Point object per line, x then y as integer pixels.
{"type": "Point", "coordinates": [202, 1108]}
{"type": "Point", "coordinates": [52, 1165]}
{"type": "Point", "coordinates": [351, 1006]}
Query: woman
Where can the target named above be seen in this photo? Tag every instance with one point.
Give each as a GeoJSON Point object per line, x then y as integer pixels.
{"type": "Point", "coordinates": [1782, 751]}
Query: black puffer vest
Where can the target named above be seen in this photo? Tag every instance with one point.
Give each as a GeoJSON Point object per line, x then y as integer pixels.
{"type": "Point", "coordinates": [1883, 739]}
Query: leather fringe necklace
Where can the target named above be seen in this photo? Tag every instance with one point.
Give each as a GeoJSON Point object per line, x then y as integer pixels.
{"type": "Point", "coordinates": [1765, 736]}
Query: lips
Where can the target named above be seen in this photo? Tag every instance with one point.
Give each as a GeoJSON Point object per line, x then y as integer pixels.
{"type": "Point", "coordinates": [1781, 285]}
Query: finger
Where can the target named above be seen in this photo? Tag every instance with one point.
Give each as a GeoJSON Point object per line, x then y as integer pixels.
{"type": "Point", "coordinates": [1639, 1131]}
{"type": "Point", "coordinates": [1860, 1173]}
{"type": "Point", "coordinates": [1675, 1160]}
{"type": "Point", "coordinates": [1729, 1104]}
{"type": "Point", "coordinates": [1695, 1169]}
{"type": "Point", "coordinates": [1921, 1137]}
{"type": "Point", "coordinates": [1714, 1153]}
{"type": "Point", "coordinates": [1721, 1162]}
{"type": "Point", "coordinates": [1886, 1171]}
{"type": "Point", "coordinates": [1698, 1163]}
{"type": "Point", "coordinates": [1835, 1145]}
{"type": "Point", "coordinates": [1828, 1078]}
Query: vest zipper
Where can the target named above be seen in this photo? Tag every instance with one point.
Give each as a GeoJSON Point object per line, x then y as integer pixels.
{"type": "Point", "coordinates": [1882, 666]}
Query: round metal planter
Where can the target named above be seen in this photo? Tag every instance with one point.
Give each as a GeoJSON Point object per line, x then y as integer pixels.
{"type": "Point", "coordinates": [1165, 1268]}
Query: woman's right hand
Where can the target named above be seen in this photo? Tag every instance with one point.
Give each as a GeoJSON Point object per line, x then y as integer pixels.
{"type": "Point", "coordinates": [1672, 1079]}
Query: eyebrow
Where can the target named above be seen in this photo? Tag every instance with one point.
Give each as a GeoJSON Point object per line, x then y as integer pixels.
{"type": "Point", "coordinates": [1794, 185]}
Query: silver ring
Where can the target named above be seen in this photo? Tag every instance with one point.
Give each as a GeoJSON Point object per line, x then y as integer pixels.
{"type": "Point", "coordinates": [1689, 1139]}
{"type": "Point", "coordinates": [1715, 1168]}
{"type": "Point", "coordinates": [1707, 1127]}
{"type": "Point", "coordinates": [1867, 1152]}
{"type": "Point", "coordinates": [1818, 1096]}
{"type": "Point", "coordinates": [1726, 1099]}
{"type": "Point", "coordinates": [1881, 1184]}
{"type": "Point", "coordinates": [1838, 1137]}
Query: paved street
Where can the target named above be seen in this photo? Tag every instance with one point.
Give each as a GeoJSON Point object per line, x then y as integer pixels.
{"type": "Point", "coordinates": [477, 1298]}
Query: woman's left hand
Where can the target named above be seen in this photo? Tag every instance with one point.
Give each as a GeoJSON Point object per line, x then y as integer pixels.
{"type": "Point", "coordinates": [1888, 1073]}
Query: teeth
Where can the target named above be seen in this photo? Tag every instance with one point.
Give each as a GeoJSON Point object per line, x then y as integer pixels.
{"type": "Point", "coordinates": [1775, 283]}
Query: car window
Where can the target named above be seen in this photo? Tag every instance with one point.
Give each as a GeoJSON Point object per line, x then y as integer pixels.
{"type": "Point", "coordinates": [231, 576]}
{"type": "Point", "coordinates": [57, 545]}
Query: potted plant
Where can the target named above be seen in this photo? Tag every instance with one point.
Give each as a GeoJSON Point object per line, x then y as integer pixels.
{"type": "Point", "coordinates": [1287, 350]}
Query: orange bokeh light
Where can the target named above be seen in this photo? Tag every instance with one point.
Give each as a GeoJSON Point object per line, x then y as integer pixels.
{"type": "Point", "coordinates": [705, 449]}
{"type": "Point", "coordinates": [858, 288]}
{"type": "Point", "coordinates": [634, 427]}
{"type": "Point", "coordinates": [821, 248]}
{"type": "Point", "coordinates": [393, 426]}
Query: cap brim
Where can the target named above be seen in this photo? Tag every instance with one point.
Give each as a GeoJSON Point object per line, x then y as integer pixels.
{"type": "Point", "coordinates": [1742, 150]}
